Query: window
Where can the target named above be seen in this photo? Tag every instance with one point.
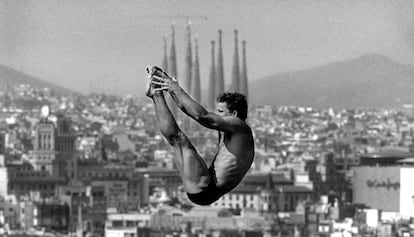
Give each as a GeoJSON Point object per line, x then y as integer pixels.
{"type": "Point", "coordinates": [117, 223]}
{"type": "Point", "coordinates": [130, 223]}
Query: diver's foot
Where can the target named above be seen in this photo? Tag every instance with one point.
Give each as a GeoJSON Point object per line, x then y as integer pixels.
{"type": "Point", "coordinates": [148, 84]}
{"type": "Point", "coordinates": [151, 88]}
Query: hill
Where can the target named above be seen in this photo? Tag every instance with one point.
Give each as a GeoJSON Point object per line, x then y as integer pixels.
{"type": "Point", "coordinates": [369, 81]}
{"type": "Point", "coordinates": [11, 77]}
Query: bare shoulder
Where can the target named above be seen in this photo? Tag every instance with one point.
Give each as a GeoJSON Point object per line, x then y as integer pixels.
{"type": "Point", "coordinates": [241, 136]}
{"type": "Point", "coordinates": [237, 125]}
{"type": "Point", "coordinates": [244, 128]}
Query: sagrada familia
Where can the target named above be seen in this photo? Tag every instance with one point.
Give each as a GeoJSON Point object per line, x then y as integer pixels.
{"type": "Point", "coordinates": [190, 81]}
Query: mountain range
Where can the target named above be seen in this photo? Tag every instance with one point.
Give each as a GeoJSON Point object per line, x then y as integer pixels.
{"type": "Point", "coordinates": [368, 81]}
{"type": "Point", "coordinates": [10, 77]}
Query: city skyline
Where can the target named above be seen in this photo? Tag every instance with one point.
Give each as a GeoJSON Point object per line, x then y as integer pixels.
{"type": "Point", "coordinates": [105, 46]}
{"type": "Point", "coordinates": [115, 169]}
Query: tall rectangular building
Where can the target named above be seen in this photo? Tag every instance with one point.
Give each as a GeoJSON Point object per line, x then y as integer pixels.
{"type": "Point", "coordinates": [407, 191]}
{"type": "Point", "coordinates": [2, 143]}
{"type": "Point", "coordinates": [2, 149]}
{"type": "Point", "coordinates": [44, 154]}
{"type": "Point", "coordinates": [65, 147]}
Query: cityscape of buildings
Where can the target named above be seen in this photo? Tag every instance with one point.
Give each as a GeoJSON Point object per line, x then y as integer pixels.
{"type": "Point", "coordinates": [96, 165]}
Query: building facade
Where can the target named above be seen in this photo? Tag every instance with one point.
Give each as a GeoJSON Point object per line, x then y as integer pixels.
{"type": "Point", "coordinates": [386, 188]}
{"type": "Point", "coordinates": [43, 156]}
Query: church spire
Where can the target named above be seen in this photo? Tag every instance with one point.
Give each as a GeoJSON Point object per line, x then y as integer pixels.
{"type": "Point", "coordinates": [244, 85]}
{"type": "Point", "coordinates": [195, 90]}
{"type": "Point", "coordinates": [211, 98]}
{"type": "Point", "coordinates": [220, 67]}
{"type": "Point", "coordinates": [165, 58]}
{"type": "Point", "coordinates": [172, 71]}
{"type": "Point", "coordinates": [235, 85]}
{"type": "Point", "coordinates": [188, 62]}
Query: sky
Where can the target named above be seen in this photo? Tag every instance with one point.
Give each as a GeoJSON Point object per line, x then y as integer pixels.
{"type": "Point", "coordinates": [105, 45]}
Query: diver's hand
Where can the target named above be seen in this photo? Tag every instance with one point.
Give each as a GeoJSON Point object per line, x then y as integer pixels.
{"type": "Point", "coordinates": [165, 83]}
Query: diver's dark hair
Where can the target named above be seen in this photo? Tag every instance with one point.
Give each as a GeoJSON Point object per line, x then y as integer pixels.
{"type": "Point", "coordinates": [235, 102]}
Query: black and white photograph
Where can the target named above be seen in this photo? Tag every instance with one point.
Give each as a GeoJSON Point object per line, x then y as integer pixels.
{"type": "Point", "coordinates": [196, 118]}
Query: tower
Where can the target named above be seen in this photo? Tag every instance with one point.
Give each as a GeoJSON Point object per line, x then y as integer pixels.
{"type": "Point", "coordinates": [235, 76]}
{"type": "Point", "coordinates": [65, 147]}
{"type": "Point", "coordinates": [195, 90]}
{"type": "Point", "coordinates": [44, 153]}
{"type": "Point", "coordinates": [220, 66]}
{"type": "Point", "coordinates": [172, 71]}
{"type": "Point", "coordinates": [244, 85]}
{"type": "Point", "coordinates": [188, 62]}
{"type": "Point", "coordinates": [165, 58]}
{"type": "Point", "coordinates": [211, 98]}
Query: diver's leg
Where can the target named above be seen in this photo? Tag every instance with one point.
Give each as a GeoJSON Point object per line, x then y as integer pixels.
{"type": "Point", "coordinates": [192, 168]}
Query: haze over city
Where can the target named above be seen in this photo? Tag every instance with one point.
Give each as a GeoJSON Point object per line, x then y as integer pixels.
{"type": "Point", "coordinates": [104, 46]}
